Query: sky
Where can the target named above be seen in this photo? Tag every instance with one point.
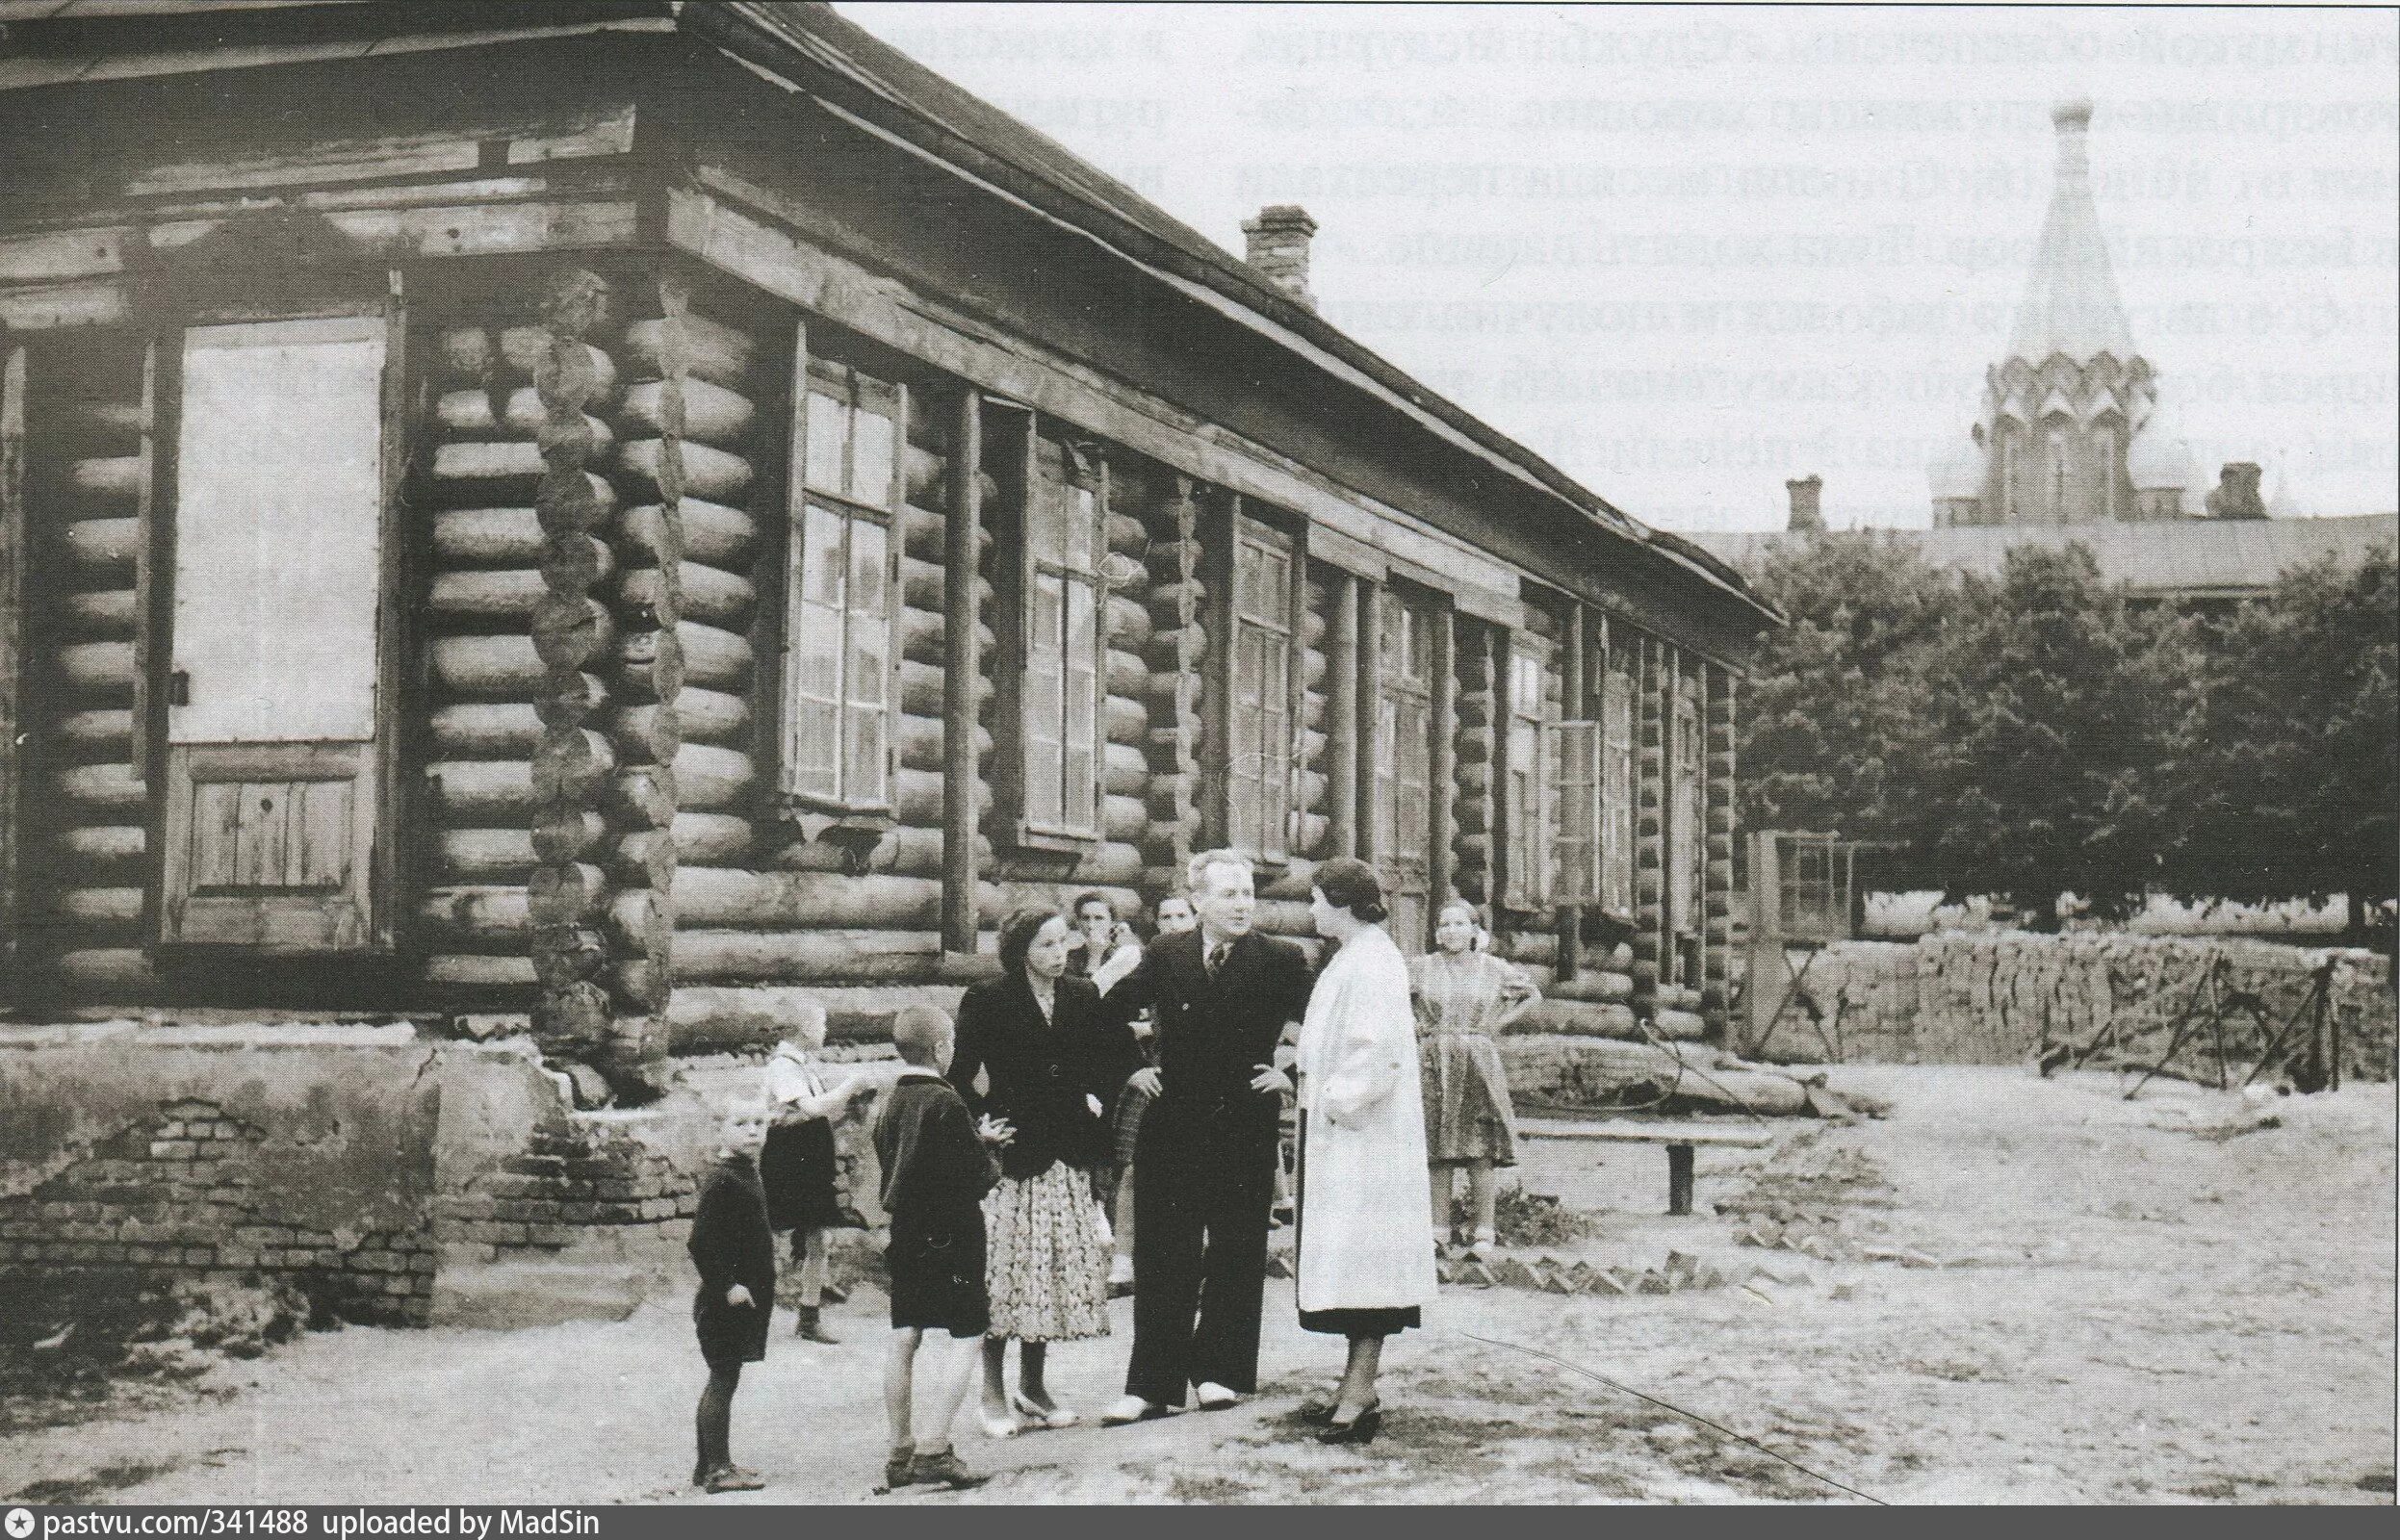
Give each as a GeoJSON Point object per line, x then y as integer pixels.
{"type": "Point", "coordinates": [1687, 252]}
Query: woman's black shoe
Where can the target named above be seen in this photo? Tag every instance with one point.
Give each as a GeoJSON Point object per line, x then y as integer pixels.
{"type": "Point", "coordinates": [1317, 1412]}
{"type": "Point", "coordinates": [1360, 1429]}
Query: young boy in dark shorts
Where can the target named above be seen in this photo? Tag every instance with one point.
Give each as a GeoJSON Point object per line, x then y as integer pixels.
{"type": "Point", "coordinates": [735, 1252]}
{"type": "Point", "coordinates": [937, 1164]}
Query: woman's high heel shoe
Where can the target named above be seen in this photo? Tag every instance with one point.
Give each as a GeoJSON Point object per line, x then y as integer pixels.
{"type": "Point", "coordinates": [1032, 1414]}
{"type": "Point", "coordinates": [1360, 1430]}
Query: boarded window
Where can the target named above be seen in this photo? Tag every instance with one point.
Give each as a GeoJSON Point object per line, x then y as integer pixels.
{"type": "Point", "coordinates": [1260, 739]}
{"type": "Point", "coordinates": [843, 603]}
{"type": "Point", "coordinates": [1617, 792]}
{"type": "Point", "coordinates": [1059, 694]}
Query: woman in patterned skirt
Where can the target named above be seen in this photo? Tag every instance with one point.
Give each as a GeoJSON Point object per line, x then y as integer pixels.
{"type": "Point", "coordinates": [1465, 997]}
{"type": "Point", "coordinates": [1050, 1070]}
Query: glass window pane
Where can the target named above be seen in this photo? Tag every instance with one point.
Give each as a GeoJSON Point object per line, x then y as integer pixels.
{"type": "Point", "coordinates": [870, 552]}
{"type": "Point", "coordinates": [1045, 519]}
{"type": "Point", "coordinates": [874, 440]}
{"type": "Point", "coordinates": [864, 771]}
{"type": "Point", "coordinates": [821, 558]}
{"type": "Point", "coordinates": [828, 421]}
{"type": "Point", "coordinates": [1083, 637]}
{"type": "Point", "coordinates": [1082, 791]}
{"type": "Point", "coordinates": [816, 652]}
{"type": "Point", "coordinates": [1083, 530]}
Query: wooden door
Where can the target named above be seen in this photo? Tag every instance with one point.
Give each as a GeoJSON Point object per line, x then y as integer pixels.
{"type": "Point", "coordinates": [274, 761]}
{"type": "Point", "coordinates": [1403, 797]}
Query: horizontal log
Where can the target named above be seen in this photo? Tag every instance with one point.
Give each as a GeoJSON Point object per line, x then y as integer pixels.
{"type": "Point", "coordinates": [99, 789]}
{"type": "Point", "coordinates": [913, 851]}
{"type": "Point", "coordinates": [106, 612]}
{"type": "Point", "coordinates": [523, 415]}
{"type": "Point", "coordinates": [717, 1018]}
{"type": "Point", "coordinates": [710, 839]}
{"type": "Point", "coordinates": [571, 631]}
{"type": "Point", "coordinates": [569, 834]}
{"type": "Point", "coordinates": [573, 502]}
{"type": "Point", "coordinates": [1113, 862]}
{"type": "Point", "coordinates": [506, 976]}
{"type": "Point", "coordinates": [475, 918]}
{"type": "Point", "coordinates": [467, 414]}
{"type": "Point", "coordinates": [1599, 987]}
{"type": "Point", "coordinates": [923, 584]}
{"type": "Point", "coordinates": [487, 668]}
{"type": "Point", "coordinates": [712, 716]}
{"type": "Point", "coordinates": [576, 563]}
{"type": "Point", "coordinates": [114, 478]}
{"type": "Point", "coordinates": [922, 688]}
{"type": "Point", "coordinates": [101, 548]}
{"type": "Point", "coordinates": [918, 798]}
{"type": "Point", "coordinates": [711, 349]}
{"type": "Point", "coordinates": [1124, 819]}
{"type": "Point", "coordinates": [711, 780]}
{"type": "Point", "coordinates": [565, 892]}
{"type": "Point", "coordinates": [483, 854]}
{"type": "Point", "coordinates": [1166, 600]}
{"type": "Point", "coordinates": [709, 472]}
{"type": "Point", "coordinates": [645, 858]}
{"type": "Point", "coordinates": [648, 734]}
{"type": "Point", "coordinates": [920, 743]}
{"type": "Point", "coordinates": [100, 850]}
{"type": "Point", "coordinates": [570, 767]}
{"type": "Point", "coordinates": [480, 792]}
{"type": "Point", "coordinates": [484, 461]}
{"type": "Point", "coordinates": [117, 420]}
{"type": "Point", "coordinates": [1126, 722]}
{"type": "Point", "coordinates": [708, 897]}
{"type": "Point", "coordinates": [482, 731]}
{"type": "Point", "coordinates": [711, 533]}
{"type": "Point", "coordinates": [1125, 624]}
{"type": "Point", "coordinates": [823, 956]}
{"type": "Point", "coordinates": [1316, 834]}
{"type": "Point", "coordinates": [510, 594]}
{"type": "Point", "coordinates": [641, 922]}
{"type": "Point", "coordinates": [713, 657]}
{"type": "Point", "coordinates": [1124, 674]}
{"type": "Point", "coordinates": [91, 735]}
{"type": "Point", "coordinates": [1124, 769]}
{"type": "Point", "coordinates": [109, 907]}
{"type": "Point", "coordinates": [643, 796]}
{"type": "Point", "coordinates": [712, 412]}
{"type": "Point", "coordinates": [703, 593]}
{"type": "Point", "coordinates": [487, 537]}
{"type": "Point", "coordinates": [527, 354]}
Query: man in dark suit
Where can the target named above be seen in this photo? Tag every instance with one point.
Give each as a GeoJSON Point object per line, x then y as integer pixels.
{"type": "Point", "coordinates": [1203, 1176]}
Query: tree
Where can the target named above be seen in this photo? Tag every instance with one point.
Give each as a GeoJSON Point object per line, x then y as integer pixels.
{"type": "Point", "coordinates": [2059, 715]}
{"type": "Point", "coordinates": [2291, 785]}
{"type": "Point", "coordinates": [1833, 724]}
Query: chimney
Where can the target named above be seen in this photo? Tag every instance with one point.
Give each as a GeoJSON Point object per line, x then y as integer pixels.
{"type": "Point", "coordinates": [1278, 248]}
{"type": "Point", "coordinates": [2236, 495]}
{"type": "Point", "coordinates": [1807, 516]}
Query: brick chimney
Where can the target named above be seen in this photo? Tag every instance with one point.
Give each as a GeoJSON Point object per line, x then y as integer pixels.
{"type": "Point", "coordinates": [1278, 248]}
{"type": "Point", "coordinates": [1807, 516]}
{"type": "Point", "coordinates": [2236, 495]}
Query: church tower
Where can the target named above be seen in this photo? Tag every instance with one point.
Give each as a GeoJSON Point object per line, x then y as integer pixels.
{"type": "Point", "coordinates": [2070, 431]}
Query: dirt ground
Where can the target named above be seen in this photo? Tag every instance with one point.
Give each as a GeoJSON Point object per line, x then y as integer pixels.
{"type": "Point", "coordinates": [2146, 1302]}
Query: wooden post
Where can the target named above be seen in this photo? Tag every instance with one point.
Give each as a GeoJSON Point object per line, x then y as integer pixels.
{"type": "Point", "coordinates": [1341, 716]}
{"type": "Point", "coordinates": [1191, 649]}
{"type": "Point", "coordinates": [1370, 718]}
{"type": "Point", "coordinates": [1717, 889]}
{"type": "Point", "coordinates": [1679, 1179]}
{"type": "Point", "coordinates": [962, 656]}
{"type": "Point", "coordinates": [1649, 829]}
{"type": "Point", "coordinates": [1442, 772]}
{"type": "Point", "coordinates": [1570, 916]}
{"type": "Point", "coordinates": [1763, 997]}
{"type": "Point", "coordinates": [12, 559]}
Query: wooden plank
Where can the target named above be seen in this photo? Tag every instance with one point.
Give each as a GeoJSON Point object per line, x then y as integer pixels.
{"type": "Point", "coordinates": [215, 834]}
{"type": "Point", "coordinates": [55, 255]}
{"type": "Point", "coordinates": [55, 307]}
{"type": "Point", "coordinates": [1441, 768]}
{"type": "Point", "coordinates": [467, 230]}
{"type": "Point", "coordinates": [398, 155]}
{"type": "Point", "coordinates": [1748, 1136]}
{"type": "Point", "coordinates": [148, 590]}
{"type": "Point", "coordinates": [13, 387]}
{"type": "Point", "coordinates": [963, 663]}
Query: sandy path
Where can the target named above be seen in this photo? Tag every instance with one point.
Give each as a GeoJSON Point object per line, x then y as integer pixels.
{"type": "Point", "coordinates": [2135, 1312]}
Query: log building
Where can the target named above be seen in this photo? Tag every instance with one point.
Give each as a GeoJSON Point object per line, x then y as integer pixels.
{"type": "Point", "coordinates": [628, 512]}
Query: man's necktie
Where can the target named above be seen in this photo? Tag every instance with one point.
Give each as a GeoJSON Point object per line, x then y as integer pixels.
{"type": "Point", "coordinates": [1217, 955]}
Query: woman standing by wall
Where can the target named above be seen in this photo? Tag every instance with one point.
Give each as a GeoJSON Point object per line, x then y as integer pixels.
{"type": "Point", "coordinates": [1465, 996]}
{"type": "Point", "coordinates": [1051, 1071]}
{"type": "Point", "coordinates": [1363, 1143]}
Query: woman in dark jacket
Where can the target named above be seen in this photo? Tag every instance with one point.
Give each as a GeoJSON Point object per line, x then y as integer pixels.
{"type": "Point", "coordinates": [1050, 1069]}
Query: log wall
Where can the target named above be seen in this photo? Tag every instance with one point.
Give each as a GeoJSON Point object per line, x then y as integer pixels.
{"type": "Point", "coordinates": [1176, 656]}
{"type": "Point", "coordinates": [1717, 897]}
{"type": "Point", "coordinates": [1475, 814]}
{"type": "Point", "coordinates": [87, 858]}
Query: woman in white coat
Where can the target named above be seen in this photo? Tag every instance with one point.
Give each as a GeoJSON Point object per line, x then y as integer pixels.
{"type": "Point", "coordinates": [1365, 1271]}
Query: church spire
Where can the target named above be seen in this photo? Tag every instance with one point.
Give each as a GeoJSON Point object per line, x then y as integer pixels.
{"type": "Point", "coordinates": [2071, 304]}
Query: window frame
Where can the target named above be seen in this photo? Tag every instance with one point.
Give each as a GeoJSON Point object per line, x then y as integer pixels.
{"type": "Point", "coordinates": [1391, 846]}
{"type": "Point", "coordinates": [1083, 468]}
{"type": "Point", "coordinates": [1529, 845]}
{"type": "Point", "coordinates": [802, 496]}
{"type": "Point", "coordinates": [1289, 546]}
{"type": "Point", "coordinates": [1615, 863]}
{"type": "Point", "coordinates": [1687, 803]}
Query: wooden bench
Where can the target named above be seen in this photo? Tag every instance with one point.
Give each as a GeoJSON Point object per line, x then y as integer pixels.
{"type": "Point", "coordinates": [1680, 1140]}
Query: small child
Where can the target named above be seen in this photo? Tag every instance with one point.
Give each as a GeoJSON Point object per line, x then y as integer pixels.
{"type": "Point", "coordinates": [798, 1167]}
{"type": "Point", "coordinates": [936, 1170]}
{"type": "Point", "coordinates": [735, 1252]}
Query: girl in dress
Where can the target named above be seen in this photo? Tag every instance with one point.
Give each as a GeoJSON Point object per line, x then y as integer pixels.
{"type": "Point", "coordinates": [1051, 1071]}
{"type": "Point", "coordinates": [1465, 996]}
